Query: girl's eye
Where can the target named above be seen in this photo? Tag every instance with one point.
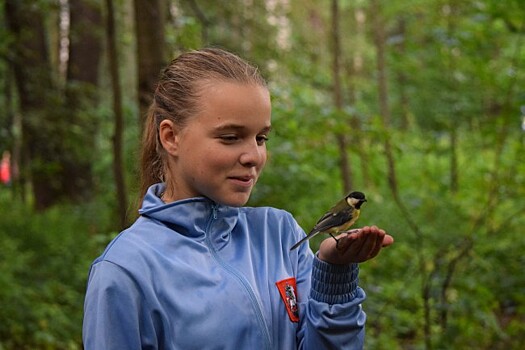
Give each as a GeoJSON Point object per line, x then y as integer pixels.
{"type": "Point", "coordinates": [229, 138]}
{"type": "Point", "coordinates": [262, 139]}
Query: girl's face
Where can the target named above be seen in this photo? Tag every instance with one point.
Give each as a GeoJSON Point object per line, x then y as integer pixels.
{"type": "Point", "coordinates": [221, 151]}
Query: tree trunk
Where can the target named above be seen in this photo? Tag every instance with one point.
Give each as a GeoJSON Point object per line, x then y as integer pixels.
{"type": "Point", "coordinates": [384, 109]}
{"type": "Point", "coordinates": [118, 163]}
{"type": "Point", "coordinates": [85, 50]}
{"type": "Point", "coordinates": [454, 168]}
{"type": "Point", "coordinates": [402, 76]}
{"type": "Point", "coordinates": [149, 29]}
{"type": "Point", "coordinates": [201, 17]}
{"type": "Point", "coordinates": [37, 99]}
{"type": "Point", "coordinates": [12, 142]}
{"type": "Point", "coordinates": [353, 70]}
{"type": "Point", "coordinates": [342, 138]}
{"type": "Point", "coordinates": [453, 113]}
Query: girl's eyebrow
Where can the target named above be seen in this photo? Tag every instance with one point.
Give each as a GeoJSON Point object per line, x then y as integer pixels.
{"type": "Point", "coordinates": [267, 129]}
{"type": "Point", "coordinates": [228, 127]}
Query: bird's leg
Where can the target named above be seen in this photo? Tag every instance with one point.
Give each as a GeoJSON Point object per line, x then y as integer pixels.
{"type": "Point", "coordinates": [336, 241]}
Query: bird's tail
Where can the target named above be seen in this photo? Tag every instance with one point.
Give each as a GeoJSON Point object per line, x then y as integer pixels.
{"type": "Point", "coordinates": [298, 243]}
{"type": "Point", "coordinates": [308, 236]}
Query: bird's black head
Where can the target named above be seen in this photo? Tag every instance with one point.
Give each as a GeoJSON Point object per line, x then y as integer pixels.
{"type": "Point", "coordinates": [358, 198]}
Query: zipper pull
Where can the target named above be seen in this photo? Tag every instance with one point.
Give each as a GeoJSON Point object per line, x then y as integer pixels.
{"type": "Point", "coordinates": [214, 209]}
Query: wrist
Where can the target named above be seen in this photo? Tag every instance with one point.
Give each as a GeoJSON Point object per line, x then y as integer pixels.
{"type": "Point", "coordinates": [334, 284]}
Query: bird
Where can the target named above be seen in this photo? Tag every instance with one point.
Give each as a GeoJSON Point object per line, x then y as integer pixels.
{"type": "Point", "coordinates": [339, 218]}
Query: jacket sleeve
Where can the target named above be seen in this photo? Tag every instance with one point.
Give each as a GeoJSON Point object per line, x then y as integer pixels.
{"type": "Point", "coordinates": [115, 316]}
{"type": "Point", "coordinates": [332, 316]}
{"type": "Point", "coordinates": [335, 318]}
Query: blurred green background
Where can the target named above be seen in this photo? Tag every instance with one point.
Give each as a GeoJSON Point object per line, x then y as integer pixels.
{"type": "Point", "coordinates": [419, 104]}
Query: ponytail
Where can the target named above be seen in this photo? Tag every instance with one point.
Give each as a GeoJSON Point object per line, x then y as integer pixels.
{"type": "Point", "coordinates": [151, 166]}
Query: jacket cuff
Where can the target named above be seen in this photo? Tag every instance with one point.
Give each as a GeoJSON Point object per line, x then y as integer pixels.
{"type": "Point", "coordinates": [334, 284]}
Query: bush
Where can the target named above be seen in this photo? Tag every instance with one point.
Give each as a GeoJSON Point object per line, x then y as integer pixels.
{"type": "Point", "coordinates": [44, 262]}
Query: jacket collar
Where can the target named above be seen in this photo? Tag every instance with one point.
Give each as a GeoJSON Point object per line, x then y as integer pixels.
{"type": "Point", "coordinates": [191, 217]}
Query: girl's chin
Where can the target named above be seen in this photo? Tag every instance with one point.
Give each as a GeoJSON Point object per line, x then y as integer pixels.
{"type": "Point", "coordinates": [237, 200]}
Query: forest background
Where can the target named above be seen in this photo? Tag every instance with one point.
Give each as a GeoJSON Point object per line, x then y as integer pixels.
{"type": "Point", "coordinates": [420, 104]}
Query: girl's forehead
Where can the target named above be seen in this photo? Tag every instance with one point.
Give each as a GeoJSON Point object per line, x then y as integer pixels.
{"type": "Point", "coordinates": [230, 98]}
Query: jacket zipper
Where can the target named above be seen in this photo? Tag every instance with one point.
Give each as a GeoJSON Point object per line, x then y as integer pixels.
{"type": "Point", "coordinates": [232, 271]}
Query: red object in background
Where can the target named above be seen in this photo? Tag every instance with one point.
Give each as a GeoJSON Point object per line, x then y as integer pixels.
{"type": "Point", "coordinates": [5, 168]}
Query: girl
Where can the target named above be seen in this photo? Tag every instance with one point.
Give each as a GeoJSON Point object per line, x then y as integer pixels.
{"type": "Point", "coordinates": [197, 270]}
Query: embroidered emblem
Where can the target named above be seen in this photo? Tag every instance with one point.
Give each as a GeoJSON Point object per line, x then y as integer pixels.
{"type": "Point", "coordinates": [287, 289]}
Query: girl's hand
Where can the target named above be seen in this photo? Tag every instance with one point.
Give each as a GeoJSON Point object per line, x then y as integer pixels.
{"type": "Point", "coordinates": [354, 246]}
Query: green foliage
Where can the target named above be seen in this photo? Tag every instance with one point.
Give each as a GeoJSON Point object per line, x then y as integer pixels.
{"type": "Point", "coordinates": [44, 262]}
{"type": "Point", "coordinates": [480, 291]}
{"type": "Point", "coordinates": [451, 66]}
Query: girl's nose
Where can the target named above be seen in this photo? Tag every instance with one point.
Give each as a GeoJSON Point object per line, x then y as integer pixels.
{"type": "Point", "coordinates": [253, 154]}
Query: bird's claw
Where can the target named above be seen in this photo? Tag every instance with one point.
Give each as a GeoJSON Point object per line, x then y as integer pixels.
{"type": "Point", "coordinates": [336, 241]}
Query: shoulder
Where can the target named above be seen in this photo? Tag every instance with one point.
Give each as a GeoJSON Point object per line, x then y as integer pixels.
{"type": "Point", "coordinates": [134, 241]}
{"type": "Point", "coordinates": [275, 221]}
{"type": "Point", "coordinates": [267, 213]}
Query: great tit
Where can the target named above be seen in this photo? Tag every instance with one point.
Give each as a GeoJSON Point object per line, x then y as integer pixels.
{"type": "Point", "coordinates": [339, 218]}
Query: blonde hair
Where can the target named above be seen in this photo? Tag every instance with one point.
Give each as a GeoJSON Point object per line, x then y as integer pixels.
{"type": "Point", "coordinates": [176, 98]}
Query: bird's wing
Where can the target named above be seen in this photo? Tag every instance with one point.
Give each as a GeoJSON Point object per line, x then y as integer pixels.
{"type": "Point", "coordinates": [330, 220]}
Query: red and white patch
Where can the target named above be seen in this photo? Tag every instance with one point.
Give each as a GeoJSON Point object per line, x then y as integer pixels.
{"type": "Point", "coordinates": [288, 290]}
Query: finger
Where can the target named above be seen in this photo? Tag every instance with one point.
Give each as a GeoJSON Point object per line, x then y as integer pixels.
{"type": "Point", "coordinates": [378, 243]}
{"type": "Point", "coordinates": [370, 241]}
{"type": "Point", "coordinates": [388, 240]}
{"type": "Point", "coordinates": [345, 240]}
{"type": "Point", "coordinates": [356, 247]}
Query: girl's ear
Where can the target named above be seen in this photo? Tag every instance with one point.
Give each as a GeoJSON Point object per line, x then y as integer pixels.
{"type": "Point", "coordinates": [169, 136]}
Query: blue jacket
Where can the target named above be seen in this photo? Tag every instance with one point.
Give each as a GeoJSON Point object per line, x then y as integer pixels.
{"type": "Point", "coordinates": [197, 275]}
